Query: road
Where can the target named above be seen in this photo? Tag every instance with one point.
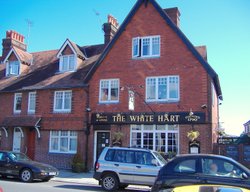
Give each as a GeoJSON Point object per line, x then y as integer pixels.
{"type": "Point", "coordinates": [14, 185]}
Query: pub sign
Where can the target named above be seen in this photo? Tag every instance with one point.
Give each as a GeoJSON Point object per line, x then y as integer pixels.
{"type": "Point", "coordinates": [148, 118]}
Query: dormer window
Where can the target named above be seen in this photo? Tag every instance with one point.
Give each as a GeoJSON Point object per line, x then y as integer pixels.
{"type": "Point", "coordinates": [12, 68]}
{"type": "Point", "coordinates": [67, 63]}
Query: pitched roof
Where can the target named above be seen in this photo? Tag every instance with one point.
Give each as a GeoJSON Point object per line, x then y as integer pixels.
{"type": "Point", "coordinates": [167, 19]}
{"type": "Point", "coordinates": [43, 73]}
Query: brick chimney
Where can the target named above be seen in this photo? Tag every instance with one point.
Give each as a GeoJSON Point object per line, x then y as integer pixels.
{"type": "Point", "coordinates": [174, 15]}
{"type": "Point", "coordinates": [13, 39]}
{"type": "Point", "coordinates": [110, 29]}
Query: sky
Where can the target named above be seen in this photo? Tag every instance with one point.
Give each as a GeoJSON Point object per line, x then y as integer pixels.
{"type": "Point", "coordinates": [222, 25]}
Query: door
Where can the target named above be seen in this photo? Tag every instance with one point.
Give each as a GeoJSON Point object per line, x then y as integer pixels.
{"type": "Point", "coordinates": [17, 140]}
{"type": "Point", "coordinates": [31, 144]}
{"type": "Point", "coordinates": [102, 141]}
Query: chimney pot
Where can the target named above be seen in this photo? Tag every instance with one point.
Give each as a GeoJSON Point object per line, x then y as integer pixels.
{"type": "Point", "coordinates": [174, 15]}
{"type": "Point", "coordinates": [13, 39]}
{"type": "Point", "coordinates": [110, 28]}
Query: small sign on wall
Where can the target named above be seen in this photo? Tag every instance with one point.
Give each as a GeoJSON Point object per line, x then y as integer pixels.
{"type": "Point", "coordinates": [131, 100]}
{"type": "Point", "coordinates": [194, 147]}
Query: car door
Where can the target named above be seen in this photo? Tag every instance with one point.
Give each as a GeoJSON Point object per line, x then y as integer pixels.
{"type": "Point", "coordinates": [7, 166]}
{"type": "Point", "coordinates": [223, 172]}
{"type": "Point", "coordinates": [145, 171]}
{"type": "Point", "coordinates": [122, 165]}
{"type": "Point", "coordinates": [185, 172]}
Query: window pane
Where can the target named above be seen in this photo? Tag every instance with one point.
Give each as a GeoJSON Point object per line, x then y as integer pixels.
{"type": "Point", "coordinates": [54, 144]}
{"type": "Point", "coordinates": [136, 140]}
{"type": "Point", "coordinates": [172, 142]}
{"type": "Point", "coordinates": [14, 67]}
{"type": "Point", "coordinates": [71, 62]}
{"type": "Point", "coordinates": [64, 63]}
{"type": "Point", "coordinates": [156, 46]}
{"type": "Point", "coordinates": [151, 88]}
{"type": "Point", "coordinates": [59, 100]}
{"type": "Point", "coordinates": [148, 140]}
{"type": "Point", "coordinates": [32, 101]}
{"type": "Point", "coordinates": [160, 142]}
{"type": "Point", "coordinates": [18, 101]}
{"type": "Point", "coordinates": [54, 133]}
{"type": "Point", "coordinates": [67, 100]}
{"type": "Point", "coordinates": [135, 47]}
{"type": "Point", "coordinates": [146, 46]}
{"type": "Point", "coordinates": [64, 145]}
{"type": "Point", "coordinates": [73, 144]}
{"type": "Point", "coordinates": [162, 88]}
{"type": "Point", "coordinates": [173, 87]}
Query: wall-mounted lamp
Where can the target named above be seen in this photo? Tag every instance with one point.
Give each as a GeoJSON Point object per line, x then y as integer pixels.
{"type": "Point", "coordinates": [88, 109]}
{"type": "Point", "coordinates": [204, 106]}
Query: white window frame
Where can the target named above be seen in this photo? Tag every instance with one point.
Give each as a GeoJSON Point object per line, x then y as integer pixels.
{"type": "Point", "coordinates": [62, 110]}
{"type": "Point", "coordinates": [32, 102]}
{"type": "Point", "coordinates": [17, 95]}
{"type": "Point", "coordinates": [109, 100]}
{"type": "Point", "coordinates": [68, 66]}
{"type": "Point", "coordinates": [139, 53]}
{"type": "Point", "coordinates": [154, 131]}
{"type": "Point", "coordinates": [12, 70]}
{"type": "Point", "coordinates": [168, 98]}
{"type": "Point", "coordinates": [70, 135]}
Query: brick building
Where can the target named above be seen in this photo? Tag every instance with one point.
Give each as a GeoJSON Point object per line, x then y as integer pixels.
{"type": "Point", "coordinates": [151, 87]}
{"type": "Point", "coordinates": [146, 86]}
{"type": "Point", "coordinates": [43, 99]}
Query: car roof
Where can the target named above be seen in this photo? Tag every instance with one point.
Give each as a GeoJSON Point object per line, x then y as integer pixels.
{"type": "Point", "coordinates": [130, 148]}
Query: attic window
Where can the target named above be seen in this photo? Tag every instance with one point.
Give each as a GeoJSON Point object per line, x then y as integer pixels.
{"type": "Point", "coordinates": [143, 47]}
{"type": "Point", "coordinates": [67, 63]}
{"type": "Point", "coordinates": [12, 68]}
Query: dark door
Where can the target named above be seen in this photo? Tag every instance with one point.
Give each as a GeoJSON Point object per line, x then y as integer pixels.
{"type": "Point", "coordinates": [103, 140]}
{"type": "Point", "coordinates": [31, 144]}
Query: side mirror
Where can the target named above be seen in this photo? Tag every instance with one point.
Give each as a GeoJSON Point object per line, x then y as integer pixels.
{"type": "Point", "coordinates": [154, 162]}
{"type": "Point", "coordinates": [244, 176]}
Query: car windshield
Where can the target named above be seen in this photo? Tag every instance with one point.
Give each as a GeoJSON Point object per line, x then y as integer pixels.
{"type": "Point", "coordinates": [159, 156]}
{"type": "Point", "coordinates": [19, 157]}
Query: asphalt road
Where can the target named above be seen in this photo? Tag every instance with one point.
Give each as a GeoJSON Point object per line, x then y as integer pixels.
{"type": "Point", "coordinates": [14, 185]}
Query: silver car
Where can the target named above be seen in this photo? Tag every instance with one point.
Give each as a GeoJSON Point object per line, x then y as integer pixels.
{"type": "Point", "coordinates": [117, 167]}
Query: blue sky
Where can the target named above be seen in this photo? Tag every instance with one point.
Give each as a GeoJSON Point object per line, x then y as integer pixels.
{"type": "Point", "coordinates": [222, 25]}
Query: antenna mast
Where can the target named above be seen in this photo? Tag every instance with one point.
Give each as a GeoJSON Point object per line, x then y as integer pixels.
{"type": "Point", "coordinates": [29, 24]}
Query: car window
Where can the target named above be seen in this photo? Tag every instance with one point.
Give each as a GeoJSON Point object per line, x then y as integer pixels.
{"type": "Point", "coordinates": [186, 166]}
{"type": "Point", "coordinates": [2, 157]}
{"type": "Point", "coordinates": [110, 155]}
{"type": "Point", "coordinates": [220, 167]}
{"type": "Point", "coordinates": [217, 188]}
{"type": "Point", "coordinates": [144, 158]}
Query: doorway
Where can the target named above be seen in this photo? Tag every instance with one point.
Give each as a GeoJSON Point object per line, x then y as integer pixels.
{"type": "Point", "coordinates": [102, 141]}
{"type": "Point", "coordinates": [17, 136]}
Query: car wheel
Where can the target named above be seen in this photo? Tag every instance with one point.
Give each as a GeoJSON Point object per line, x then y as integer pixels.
{"type": "Point", "coordinates": [110, 182]}
{"type": "Point", "coordinates": [26, 175]}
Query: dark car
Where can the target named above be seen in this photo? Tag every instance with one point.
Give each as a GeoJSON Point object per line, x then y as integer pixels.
{"type": "Point", "coordinates": [20, 166]}
{"type": "Point", "coordinates": [194, 169]}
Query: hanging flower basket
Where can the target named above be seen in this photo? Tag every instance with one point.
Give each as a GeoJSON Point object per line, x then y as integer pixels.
{"type": "Point", "coordinates": [192, 135]}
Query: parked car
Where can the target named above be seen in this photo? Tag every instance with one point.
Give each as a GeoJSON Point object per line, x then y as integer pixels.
{"type": "Point", "coordinates": [117, 167]}
{"type": "Point", "coordinates": [19, 165]}
{"type": "Point", "coordinates": [193, 169]}
{"type": "Point", "coordinates": [206, 188]}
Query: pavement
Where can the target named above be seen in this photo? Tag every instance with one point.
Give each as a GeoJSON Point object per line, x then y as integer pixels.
{"type": "Point", "coordinates": [81, 178]}
{"type": "Point", "coordinates": [87, 179]}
